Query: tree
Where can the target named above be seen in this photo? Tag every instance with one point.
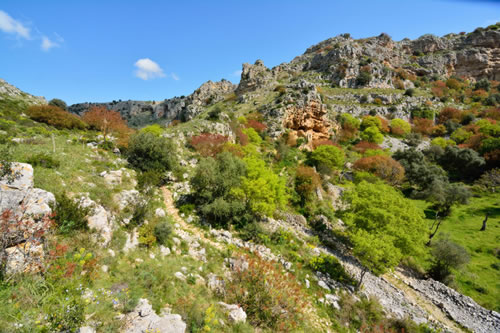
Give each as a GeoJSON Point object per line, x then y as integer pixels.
{"type": "Point", "coordinates": [372, 134]}
{"type": "Point", "coordinates": [261, 189]}
{"type": "Point", "coordinates": [331, 157]}
{"type": "Point", "coordinates": [383, 167]}
{"type": "Point", "coordinates": [461, 163]}
{"type": "Point", "coordinates": [148, 152]}
{"type": "Point", "coordinates": [375, 252]}
{"type": "Point", "coordinates": [447, 256]}
{"type": "Point", "coordinates": [212, 184]}
{"type": "Point", "coordinates": [59, 103]}
{"type": "Point", "coordinates": [306, 182]}
{"type": "Point", "coordinates": [104, 120]}
{"type": "Point", "coordinates": [384, 226]}
{"type": "Point", "coordinates": [400, 127]}
{"type": "Point", "coordinates": [369, 121]}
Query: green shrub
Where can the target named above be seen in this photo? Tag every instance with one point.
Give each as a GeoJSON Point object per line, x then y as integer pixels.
{"type": "Point", "coordinates": [153, 129]}
{"type": "Point", "coordinates": [328, 264]}
{"type": "Point", "coordinates": [422, 113]}
{"type": "Point", "coordinates": [187, 209]}
{"type": "Point", "coordinates": [139, 213]}
{"type": "Point", "coordinates": [372, 134]}
{"type": "Point", "coordinates": [70, 216]}
{"type": "Point", "coordinates": [253, 135]}
{"type": "Point", "coordinates": [147, 235]}
{"type": "Point", "coordinates": [330, 156]}
{"type": "Point", "coordinates": [162, 232]}
{"type": "Point", "coordinates": [147, 152]}
{"type": "Point", "coordinates": [44, 160]}
{"type": "Point", "coordinates": [69, 318]}
{"type": "Point", "coordinates": [58, 103]}
{"type": "Point", "coordinates": [400, 127]}
{"type": "Point", "coordinates": [410, 92]}
{"type": "Point", "coordinates": [363, 78]}
{"type": "Point", "coordinates": [447, 255]}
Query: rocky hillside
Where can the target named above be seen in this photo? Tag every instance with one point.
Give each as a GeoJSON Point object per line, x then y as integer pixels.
{"type": "Point", "coordinates": [8, 91]}
{"type": "Point", "coordinates": [353, 189]}
{"type": "Point", "coordinates": [376, 62]}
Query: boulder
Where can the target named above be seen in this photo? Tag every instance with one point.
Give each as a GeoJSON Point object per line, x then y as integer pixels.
{"type": "Point", "coordinates": [235, 312]}
{"type": "Point", "coordinates": [98, 219]}
{"type": "Point", "coordinates": [144, 319]}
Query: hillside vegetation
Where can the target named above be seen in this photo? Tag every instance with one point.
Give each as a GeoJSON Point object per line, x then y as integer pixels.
{"type": "Point", "coordinates": [328, 194]}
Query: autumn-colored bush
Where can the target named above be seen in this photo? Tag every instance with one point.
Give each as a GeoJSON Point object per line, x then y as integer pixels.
{"type": "Point", "coordinates": [106, 121]}
{"type": "Point", "coordinates": [453, 83]}
{"type": "Point", "coordinates": [256, 125]}
{"type": "Point", "coordinates": [270, 298]}
{"type": "Point", "coordinates": [479, 94]}
{"type": "Point", "coordinates": [448, 113]}
{"type": "Point", "coordinates": [306, 182]}
{"type": "Point", "coordinates": [323, 142]}
{"type": "Point", "coordinates": [55, 116]}
{"type": "Point", "coordinates": [384, 125]}
{"type": "Point", "coordinates": [423, 126]}
{"type": "Point", "coordinates": [398, 84]}
{"type": "Point", "coordinates": [383, 167]}
{"type": "Point", "coordinates": [363, 146]}
{"type": "Point", "coordinates": [208, 144]}
{"type": "Point", "coordinates": [493, 113]}
{"type": "Point", "coordinates": [242, 137]}
{"type": "Point", "coordinates": [439, 89]}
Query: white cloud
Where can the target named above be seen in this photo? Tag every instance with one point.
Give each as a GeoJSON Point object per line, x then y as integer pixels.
{"type": "Point", "coordinates": [11, 26]}
{"type": "Point", "coordinates": [175, 77]}
{"type": "Point", "coordinates": [47, 44]}
{"type": "Point", "coordinates": [237, 73]}
{"type": "Point", "coordinates": [148, 69]}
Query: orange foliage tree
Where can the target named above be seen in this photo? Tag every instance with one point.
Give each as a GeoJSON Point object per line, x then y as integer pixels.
{"type": "Point", "coordinates": [106, 121]}
{"type": "Point", "coordinates": [383, 167]}
{"type": "Point", "coordinates": [208, 144]}
{"type": "Point", "coordinates": [423, 126]}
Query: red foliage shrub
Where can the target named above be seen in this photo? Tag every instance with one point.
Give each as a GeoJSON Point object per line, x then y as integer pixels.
{"type": "Point", "coordinates": [208, 144]}
{"type": "Point", "coordinates": [106, 121]}
{"type": "Point", "coordinates": [306, 181]}
{"type": "Point", "coordinates": [423, 126]}
{"type": "Point", "coordinates": [54, 116]}
{"type": "Point", "coordinates": [493, 113]}
{"type": "Point", "coordinates": [242, 137]}
{"type": "Point", "coordinates": [324, 142]}
{"type": "Point", "coordinates": [474, 142]}
{"type": "Point", "coordinates": [448, 113]}
{"type": "Point", "coordinates": [383, 167]}
{"type": "Point", "coordinates": [256, 125]}
{"type": "Point", "coordinates": [270, 298]}
{"type": "Point", "coordinates": [439, 89]}
{"type": "Point", "coordinates": [363, 146]}
{"type": "Point", "coordinates": [384, 125]}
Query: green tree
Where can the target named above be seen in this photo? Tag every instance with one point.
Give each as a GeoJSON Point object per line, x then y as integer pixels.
{"type": "Point", "coordinates": [261, 189]}
{"type": "Point", "coordinates": [372, 134]}
{"type": "Point", "coordinates": [153, 129]}
{"type": "Point", "coordinates": [331, 157]}
{"type": "Point", "coordinates": [400, 127]}
{"type": "Point", "coordinates": [379, 212]}
{"type": "Point", "coordinates": [147, 152]}
{"type": "Point", "coordinates": [447, 256]}
{"type": "Point", "coordinates": [59, 103]}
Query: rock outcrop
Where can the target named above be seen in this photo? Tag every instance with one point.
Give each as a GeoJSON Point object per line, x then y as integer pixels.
{"type": "Point", "coordinates": [23, 250]}
{"type": "Point", "coordinates": [144, 319]}
{"type": "Point", "coordinates": [9, 91]}
{"type": "Point", "coordinates": [139, 113]}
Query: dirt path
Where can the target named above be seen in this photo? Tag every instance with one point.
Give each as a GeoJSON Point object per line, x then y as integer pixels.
{"type": "Point", "coordinates": [435, 313]}
{"type": "Point", "coordinates": [174, 212]}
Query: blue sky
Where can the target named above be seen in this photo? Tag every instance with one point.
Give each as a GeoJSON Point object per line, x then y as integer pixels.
{"type": "Point", "coordinates": [150, 50]}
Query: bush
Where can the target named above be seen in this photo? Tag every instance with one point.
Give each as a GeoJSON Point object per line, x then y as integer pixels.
{"type": "Point", "coordinates": [482, 84]}
{"type": "Point", "coordinates": [363, 146]}
{"type": "Point", "coordinates": [306, 182]}
{"type": "Point", "coordinates": [58, 103]}
{"type": "Point", "coordinates": [369, 121]}
{"type": "Point", "coordinates": [400, 127]}
{"type": "Point", "coordinates": [153, 129]}
{"type": "Point", "coordinates": [70, 216]}
{"type": "Point", "coordinates": [461, 164]}
{"type": "Point", "coordinates": [448, 113]}
{"type": "Point", "coordinates": [383, 167]}
{"type": "Point", "coordinates": [363, 78]}
{"type": "Point", "coordinates": [331, 157]}
{"type": "Point", "coordinates": [54, 116]}
{"type": "Point", "coordinates": [252, 135]}
{"type": "Point", "coordinates": [372, 134]}
{"type": "Point", "coordinates": [44, 160]}
{"type": "Point", "coordinates": [442, 142]}
{"type": "Point", "coordinates": [410, 92]}
{"type": "Point", "coordinates": [328, 264]}
{"type": "Point", "coordinates": [447, 255]}
{"type": "Point", "coordinates": [423, 126]}
{"type": "Point", "coordinates": [148, 152]}
{"type": "Point", "coordinates": [270, 299]}
{"type": "Point", "coordinates": [422, 113]}
{"type": "Point", "coordinates": [162, 232]}
{"type": "Point", "coordinates": [208, 144]}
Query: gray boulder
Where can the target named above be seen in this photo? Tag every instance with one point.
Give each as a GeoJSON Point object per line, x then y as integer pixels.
{"type": "Point", "coordinates": [144, 319]}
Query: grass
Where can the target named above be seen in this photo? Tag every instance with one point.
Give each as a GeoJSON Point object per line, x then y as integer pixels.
{"type": "Point", "coordinates": [480, 279]}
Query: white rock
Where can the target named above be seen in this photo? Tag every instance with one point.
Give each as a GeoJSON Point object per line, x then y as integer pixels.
{"type": "Point", "coordinates": [180, 276]}
{"type": "Point", "coordinates": [144, 319]}
{"type": "Point", "coordinates": [104, 268]}
{"type": "Point", "coordinates": [111, 253]}
{"type": "Point", "coordinates": [132, 241]}
{"type": "Point", "coordinates": [235, 312]}
{"type": "Point", "coordinates": [323, 285]}
{"type": "Point", "coordinates": [159, 212]}
{"type": "Point", "coordinates": [165, 251]}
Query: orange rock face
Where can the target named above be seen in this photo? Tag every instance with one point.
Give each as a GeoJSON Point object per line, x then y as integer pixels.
{"type": "Point", "coordinates": [309, 121]}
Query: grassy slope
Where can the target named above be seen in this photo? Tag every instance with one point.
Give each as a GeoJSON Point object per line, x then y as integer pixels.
{"type": "Point", "coordinates": [480, 279]}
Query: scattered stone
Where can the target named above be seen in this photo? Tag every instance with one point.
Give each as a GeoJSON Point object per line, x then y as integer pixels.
{"type": "Point", "coordinates": [132, 241]}
{"type": "Point", "coordinates": [159, 212]}
{"type": "Point", "coordinates": [235, 312]}
{"type": "Point", "coordinates": [180, 276]}
{"type": "Point", "coordinates": [144, 319]}
{"type": "Point", "coordinates": [165, 251]}
{"type": "Point", "coordinates": [323, 285]}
